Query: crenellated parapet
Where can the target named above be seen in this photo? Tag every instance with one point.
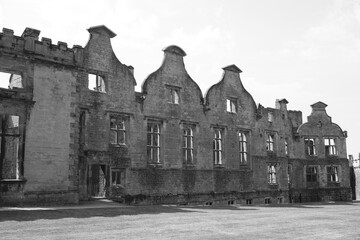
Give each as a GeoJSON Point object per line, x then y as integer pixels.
{"type": "Point", "coordinates": [44, 50]}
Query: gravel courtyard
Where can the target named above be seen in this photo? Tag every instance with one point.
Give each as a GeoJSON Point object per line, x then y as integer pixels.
{"type": "Point", "coordinates": [107, 220]}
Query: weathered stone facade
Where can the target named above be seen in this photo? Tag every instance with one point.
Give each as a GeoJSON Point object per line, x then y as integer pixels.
{"type": "Point", "coordinates": [80, 130]}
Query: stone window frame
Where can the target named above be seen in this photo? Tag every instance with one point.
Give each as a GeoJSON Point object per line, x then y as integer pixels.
{"type": "Point", "coordinates": [19, 164]}
{"type": "Point", "coordinates": [311, 149]}
{"type": "Point", "coordinates": [311, 176]}
{"type": "Point", "coordinates": [286, 146]}
{"type": "Point", "coordinates": [173, 93]}
{"type": "Point", "coordinates": [100, 82]}
{"type": "Point", "coordinates": [231, 105]}
{"type": "Point", "coordinates": [272, 170]}
{"type": "Point", "coordinates": [188, 139]}
{"type": "Point", "coordinates": [10, 75]}
{"type": "Point", "coordinates": [219, 133]}
{"type": "Point", "coordinates": [118, 177]}
{"type": "Point", "coordinates": [244, 155]}
{"type": "Point", "coordinates": [333, 173]}
{"type": "Point", "coordinates": [330, 147]}
{"type": "Point", "coordinates": [125, 119]}
{"type": "Point", "coordinates": [270, 141]}
{"type": "Point", "coordinates": [155, 143]}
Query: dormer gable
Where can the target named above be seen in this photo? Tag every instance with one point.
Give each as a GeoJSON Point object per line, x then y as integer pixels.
{"type": "Point", "coordinates": [102, 30]}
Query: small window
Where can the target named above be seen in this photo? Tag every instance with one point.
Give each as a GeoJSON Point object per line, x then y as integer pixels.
{"type": "Point", "coordinates": [286, 145]}
{"type": "Point", "coordinates": [272, 174]}
{"type": "Point", "coordinates": [248, 201]}
{"type": "Point", "coordinates": [243, 148]}
{"type": "Point", "coordinates": [153, 142]}
{"type": "Point", "coordinates": [310, 148]}
{"type": "Point", "coordinates": [10, 80]}
{"type": "Point", "coordinates": [96, 83]}
{"type": "Point", "coordinates": [270, 117]}
{"type": "Point", "coordinates": [280, 200]}
{"type": "Point", "coordinates": [270, 142]}
{"type": "Point", "coordinates": [117, 131]}
{"type": "Point", "coordinates": [217, 146]}
{"type": "Point", "coordinates": [231, 105]}
{"type": "Point", "coordinates": [330, 146]}
{"type": "Point", "coordinates": [174, 95]}
{"type": "Point", "coordinates": [332, 174]}
{"type": "Point", "coordinates": [311, 174]}
{"type": "Point", "coordinates": [117, 177]}
{"type": "Point", "coordinates": [267, 200]}
{"type": "Point", "coordinates": [188, 144]}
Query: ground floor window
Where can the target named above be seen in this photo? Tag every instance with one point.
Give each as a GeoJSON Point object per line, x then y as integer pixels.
{"type": "Point", "coordinates": [311, 174]}
{"type": "Point", "coordinates": [10, 147]}
{"type": "Point", "coordinates": [332, 174]}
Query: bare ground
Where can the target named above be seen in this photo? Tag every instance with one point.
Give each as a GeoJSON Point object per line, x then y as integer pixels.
{"type": "Point", "coordinates": [116, 221]}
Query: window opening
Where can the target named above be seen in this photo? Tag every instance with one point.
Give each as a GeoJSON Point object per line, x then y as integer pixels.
{"type": "Point", "coordinates": [10, 146]}
{"type": "Point", "coordinates": [10, 80]}
{"type": "Point", "coordinates": [311, 174]}
{"type": "Point", "coordinates": [330, 147]}
{"type": "Point", "coordinates": [96, 83]}
{"type": "Point", "coordinates": [267, 200]}
{"type": "Point", "coordinates": [117, 131]}
{"type": "Point", "coordinates": [270, 142]}
{"type": "Point", "coordinates": [217, 146]}
{"type": "Point", "coordinates": [272, 173]}
{"type": "Point", "coordinates": [270, 117]}
{"type": "Point", "coordinates": [310, 148]}
{"type": "Point", "coordinates": [231, 105]}
{"type": "Point", "coordinates": [117, 177]}
{"type": "Point", "coordinates": [188, 144]}
{"type": "Point", "coordinates": [153, 142]}
{"type": "Point", "coordinates": [174, 96]}
{"type": "Point", "coordinates": [243, 148]}
{"type": "Point", "coordinates": [332, 174]}
{"type": "Point", "coordinates": [286, 147]}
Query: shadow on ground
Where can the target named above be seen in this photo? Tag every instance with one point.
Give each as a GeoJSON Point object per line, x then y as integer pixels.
{"type": "Point", "coordinates": [113, 211]}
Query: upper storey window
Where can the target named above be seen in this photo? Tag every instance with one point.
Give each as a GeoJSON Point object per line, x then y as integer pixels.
{"type": "Point", "coordinates": [10, 80]}
{"type": "Point", "coordinates": [117, 131]}
{"type": "Point", "coordinates": [270, 142]}
{"type": "Point", "coordinates": [96, 83]}
{"type": "Point", "coordinates": [310, 147]}
{"type": "Point", "coordinates": [270, 117]}
{"type": "Point", "coordinates": [330, 147]}
{"type": "Point", "coordinates": [231, 105]}
{"type": "Point", "coordinates": [173, 93]}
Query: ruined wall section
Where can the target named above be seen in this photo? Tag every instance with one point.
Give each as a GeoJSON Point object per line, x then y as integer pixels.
{"type": "Point", "coordinates": [49, 88]}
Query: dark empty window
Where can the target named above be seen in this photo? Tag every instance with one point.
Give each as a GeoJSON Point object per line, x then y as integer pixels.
{"type": "Point", "coordinates": [310, 148]}
{"type": "Point", "coordinates": [311, 174]}
{"type": "Point", "coordinates": [10, 147]}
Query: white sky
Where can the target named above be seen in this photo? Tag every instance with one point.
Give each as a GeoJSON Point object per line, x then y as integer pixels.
{"type": "Point", "coordinates": [305, 51]}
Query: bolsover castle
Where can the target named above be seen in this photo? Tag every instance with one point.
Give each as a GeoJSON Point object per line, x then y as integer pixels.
{"type": "Point", "coordinates": [73, 127]}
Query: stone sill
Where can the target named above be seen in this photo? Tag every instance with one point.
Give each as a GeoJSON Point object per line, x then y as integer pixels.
{"type": "Point", "coordinates": [12, 180]}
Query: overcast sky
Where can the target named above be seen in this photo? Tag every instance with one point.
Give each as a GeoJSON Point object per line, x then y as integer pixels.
{"type": "Point", "coordinates": [305, 51]}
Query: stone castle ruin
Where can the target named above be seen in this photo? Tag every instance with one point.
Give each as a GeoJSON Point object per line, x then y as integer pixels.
{"type": "Point", "coordinates": [74, 128]}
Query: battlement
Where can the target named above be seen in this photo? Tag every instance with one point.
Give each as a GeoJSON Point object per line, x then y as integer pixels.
{"type": "Point", "coordinates": [28, 43]}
